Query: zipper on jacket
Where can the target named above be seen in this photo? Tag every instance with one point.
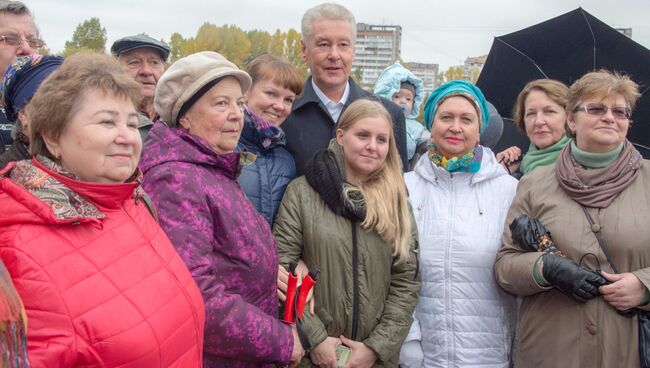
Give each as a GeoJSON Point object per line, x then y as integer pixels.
{"type": "Point", "coordinates": [417, 259]}
{"type": "Point", "coordinates": [355, 282]}
{"type": "Point", "coordinates": [447, 267]}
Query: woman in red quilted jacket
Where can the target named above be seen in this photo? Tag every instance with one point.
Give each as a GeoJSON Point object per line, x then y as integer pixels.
{"type": "Point", "coordinates": [100, 281]}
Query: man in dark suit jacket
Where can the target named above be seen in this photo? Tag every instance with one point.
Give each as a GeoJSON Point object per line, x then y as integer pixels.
{"type": "Point", "coordinates": [329, 32]}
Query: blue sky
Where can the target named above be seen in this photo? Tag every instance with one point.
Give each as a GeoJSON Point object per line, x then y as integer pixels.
{"type": "Point", "coordinates": [444, 32]}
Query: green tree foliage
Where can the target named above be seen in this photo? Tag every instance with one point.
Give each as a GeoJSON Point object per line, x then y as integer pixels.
{"type": "Point", "coordinates": [294, 51]}
{"type": "Point", "coordinates": [473, 74]}
{"type": "Point", "coordinates": [260, 41]}
{"type": "Point", "coordinates": [238, 46]}
{"type": "Point", "coordinates": [453, 73]}
{"type": "Point", "coordinates": [235, 46]}
{"type": "Point", "coordinates": [357, 74]}
{"type": "Point", "coordinates": [207, 38]}
{"type": "Point", "coordinates": [175, 44]}
{"type": "Point", "coordinates": [89, 36]}
{"type": "Point", "coordinates": [278, 46]}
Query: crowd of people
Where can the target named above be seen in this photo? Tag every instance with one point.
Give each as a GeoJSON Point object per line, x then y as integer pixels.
{"type": "Point", "coordinates": [157, 215]}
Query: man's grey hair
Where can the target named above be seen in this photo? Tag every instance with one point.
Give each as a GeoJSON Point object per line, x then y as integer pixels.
{"type": "Point", "coordinates": [14, 7]}
{"type": "Point", "coordinates": [327, 11]}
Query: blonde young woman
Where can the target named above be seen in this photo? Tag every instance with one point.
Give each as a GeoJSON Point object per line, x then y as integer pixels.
{"type": "Point", "coordinates": [349, 216]}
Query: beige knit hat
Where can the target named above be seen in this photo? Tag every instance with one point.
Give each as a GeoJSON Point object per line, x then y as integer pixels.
{"type": "Point", "coordinates": [187, 76]}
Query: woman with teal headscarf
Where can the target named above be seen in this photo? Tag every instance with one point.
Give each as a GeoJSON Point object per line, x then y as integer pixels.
{"type": "Point", "coordinates": [460, 195]}
{"type": "Point", "coordinates": [540, 113]}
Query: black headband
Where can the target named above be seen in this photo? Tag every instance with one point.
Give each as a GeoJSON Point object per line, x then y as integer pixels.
{"type": "Point", "coordinates": [192, 100]}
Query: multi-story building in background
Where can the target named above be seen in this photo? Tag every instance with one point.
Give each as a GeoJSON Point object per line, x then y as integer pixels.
{"type": "Point", "coordinates": [625, 31]}
{"type": "Point", "coordinates": [427, 72]}
{"type": "Point", "coordinates": [376, 47]}
{"type": "Point", "coordinates": [472, 67]}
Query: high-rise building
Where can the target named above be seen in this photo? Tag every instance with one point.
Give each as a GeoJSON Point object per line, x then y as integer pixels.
{"type": "Point", "coordinates": [376, 47]}
{"type": "Point", "coordinates": [427, 73]}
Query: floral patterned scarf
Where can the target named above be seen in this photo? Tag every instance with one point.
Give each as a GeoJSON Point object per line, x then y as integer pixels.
{"type": "Point", "coordinates": [269, 134]}
{"type": "Point", "coordinates": [470, 162]}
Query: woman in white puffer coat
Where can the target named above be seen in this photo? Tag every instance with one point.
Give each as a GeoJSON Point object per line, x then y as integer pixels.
{"type": "Point", "coordinates": [460, 196]}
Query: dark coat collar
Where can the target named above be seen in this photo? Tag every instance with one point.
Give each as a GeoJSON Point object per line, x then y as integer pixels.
{"type": "Point", "coordinates": [309, 94]}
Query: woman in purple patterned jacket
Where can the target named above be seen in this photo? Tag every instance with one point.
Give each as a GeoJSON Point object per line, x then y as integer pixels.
{"type": "Point", "coordinates": [190, 172]}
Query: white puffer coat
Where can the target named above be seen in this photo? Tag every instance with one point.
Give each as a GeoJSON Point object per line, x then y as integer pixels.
{"type": "Point", "coordinates": [463, 318]}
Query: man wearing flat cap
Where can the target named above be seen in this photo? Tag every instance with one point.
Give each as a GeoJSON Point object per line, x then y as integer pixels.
{"type": "Point", "coordinates": [143, 58]}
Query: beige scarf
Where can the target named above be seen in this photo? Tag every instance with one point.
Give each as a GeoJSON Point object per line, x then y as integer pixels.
{"type": "Point", "coordinates": [597, 188]}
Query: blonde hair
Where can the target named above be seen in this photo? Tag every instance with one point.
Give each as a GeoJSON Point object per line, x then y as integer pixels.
{"type": "Point", "coordinates": [384, 191]}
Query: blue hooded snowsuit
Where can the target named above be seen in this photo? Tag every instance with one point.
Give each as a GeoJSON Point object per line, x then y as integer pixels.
{"type": "Point", "coordinates": [387, 84]}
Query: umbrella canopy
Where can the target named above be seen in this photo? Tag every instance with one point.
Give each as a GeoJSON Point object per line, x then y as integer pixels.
{"type": "Point", "coordinates": [564, 48]}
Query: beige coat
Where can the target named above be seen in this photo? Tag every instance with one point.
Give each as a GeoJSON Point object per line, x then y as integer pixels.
{"type": "Point", "coordinates": [553, 330]}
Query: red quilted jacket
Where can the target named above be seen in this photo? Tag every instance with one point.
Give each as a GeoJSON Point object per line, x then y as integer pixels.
{"type": "Point", "coordinates": [101, 282]}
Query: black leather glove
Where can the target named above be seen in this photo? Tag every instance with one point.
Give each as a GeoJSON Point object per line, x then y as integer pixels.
{"type": "Point", "coordinates": [577, 282]}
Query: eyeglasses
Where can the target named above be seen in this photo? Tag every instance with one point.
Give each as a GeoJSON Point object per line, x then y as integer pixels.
{"type": "Point", "coordinates": [600, 109]}
{"type": "Point", "coordinates": [15, 40]}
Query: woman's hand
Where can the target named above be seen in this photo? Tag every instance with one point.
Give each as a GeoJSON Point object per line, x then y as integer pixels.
{"type": "Point", "coordinates": [625, 291]}
{"type": "Point", "coordinates": [361, 356]}
{"type": "Point", "coordinates": [302, 271]}
{"type": "Point", "coordinates": [324, 355]}
{"type": "Point", "coordinates": [298, 351]}
{"type": "Point", "coordinates": [283, 280]}
{"type": "Point", "coordinates": [509, 158]}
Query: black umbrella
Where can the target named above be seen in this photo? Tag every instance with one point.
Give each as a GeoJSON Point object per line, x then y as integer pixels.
{"type": "Point", "coordinates": [563, 48]}
{"type": "Point", "coordinates": [532, 236]}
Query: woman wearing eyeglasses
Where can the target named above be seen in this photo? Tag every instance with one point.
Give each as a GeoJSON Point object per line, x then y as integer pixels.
{"type": "Point", "coordinates": [570, 316]}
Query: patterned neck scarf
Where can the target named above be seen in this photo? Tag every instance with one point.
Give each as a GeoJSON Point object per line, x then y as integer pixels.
{"type": "Point", "coordinates": [269, 134]}
{"type": "Point", "coordinates": [470, 162]}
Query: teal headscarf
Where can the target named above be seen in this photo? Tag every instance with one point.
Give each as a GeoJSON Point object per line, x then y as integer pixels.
{"type": "Point", "coordinates": [457, 87]}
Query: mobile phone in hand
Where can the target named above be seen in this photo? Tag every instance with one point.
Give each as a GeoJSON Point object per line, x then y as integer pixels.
{"type": "Point", "coordinates": [342, 355]}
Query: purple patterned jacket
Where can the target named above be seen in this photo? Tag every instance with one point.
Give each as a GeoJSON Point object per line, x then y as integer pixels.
{"type": "Point", "coordinates": [227, 246]}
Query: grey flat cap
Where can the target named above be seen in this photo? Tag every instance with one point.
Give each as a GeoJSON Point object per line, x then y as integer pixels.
{"type": "Point", "coordinates": [129, 43]}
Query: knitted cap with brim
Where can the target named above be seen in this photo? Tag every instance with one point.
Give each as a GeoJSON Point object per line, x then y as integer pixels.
{"type": "Point", "coordinates": [187, 76]}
